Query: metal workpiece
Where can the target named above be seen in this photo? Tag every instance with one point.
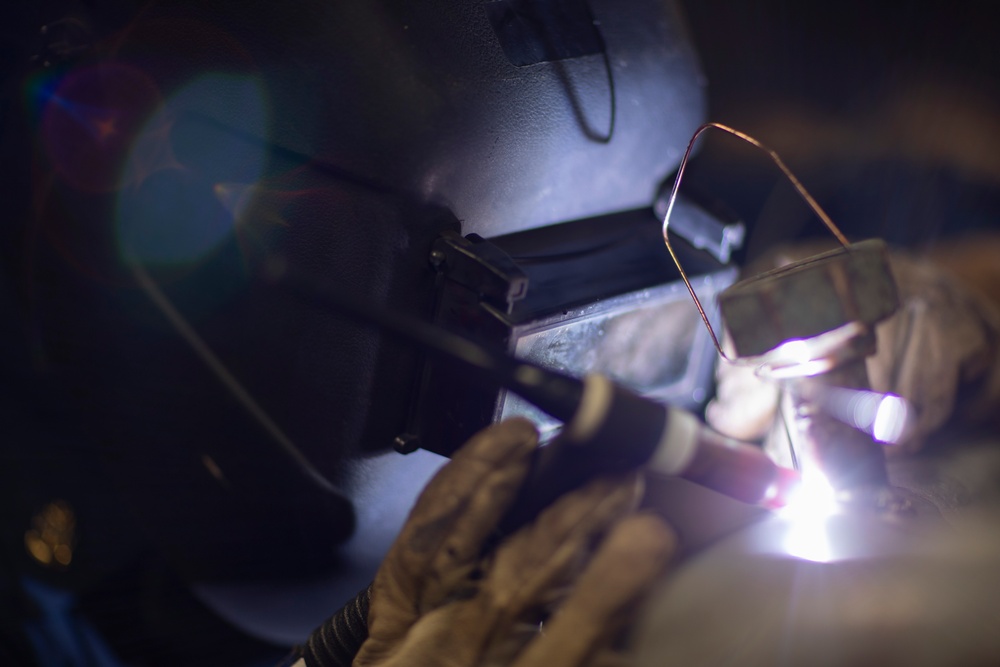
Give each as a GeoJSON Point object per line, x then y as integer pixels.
{"type": "Point", "coordinates": [871, 592]}
{"type": "Point", "coordinates": [851, 588]}
{"type": "Point", "coordinates": [810, 297]}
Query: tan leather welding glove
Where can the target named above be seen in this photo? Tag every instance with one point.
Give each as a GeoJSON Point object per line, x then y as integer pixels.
{"type": "Point", "coordinates": [940, 351]}
{"type": "Point", "coordinates": [580, 566]}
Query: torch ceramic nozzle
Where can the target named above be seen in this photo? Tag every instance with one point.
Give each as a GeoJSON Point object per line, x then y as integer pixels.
{"type": "Point", "coordinates": [670, 441]}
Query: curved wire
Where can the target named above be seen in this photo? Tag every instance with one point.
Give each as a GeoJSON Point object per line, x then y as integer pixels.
{"type": "Point", "coordinates": [808, 198]}
{"type": "Point", "coordinates": [198, 345]}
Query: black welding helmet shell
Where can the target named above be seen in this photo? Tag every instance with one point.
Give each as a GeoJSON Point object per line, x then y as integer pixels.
{"type": "Point", "coordinates": [192, 151]}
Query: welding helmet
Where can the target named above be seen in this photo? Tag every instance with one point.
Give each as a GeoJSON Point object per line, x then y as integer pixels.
{"type": "Point", "coordinates": [490, 166]}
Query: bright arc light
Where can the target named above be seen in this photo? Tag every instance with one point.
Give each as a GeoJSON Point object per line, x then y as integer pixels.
{"type": "Point", "coordinates": [795, 358]}
{"type": "Point", "coordinates": [806, 513]}
{"type": "Point", "coordinates": [888, 418]}
{"type": "Point", "coordinates": [796, 351]}
{"type": "Point", "coordinates": [813, 498]}
{"type": "Point", "coordinates": [891, 419]}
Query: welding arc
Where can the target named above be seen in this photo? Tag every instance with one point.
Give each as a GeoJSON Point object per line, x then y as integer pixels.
{"type": "Point", "coordinates": [808, 198]}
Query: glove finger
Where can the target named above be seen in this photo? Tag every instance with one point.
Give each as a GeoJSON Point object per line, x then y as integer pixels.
{"type": "Point", "coordinates": [533, 570]}
{"type": "Point", "coordinates": [467, 494]}
{"type": "Point", "coordinates": [744, 405]}
{"type": "Point", "coordinates": [632, 556]}
{"type": "Point", "coordinates": [538, 561]}
{"type": "Point", "coordinates": [434, 640]}
{"type": "Point", "coordinates": [451, 571]}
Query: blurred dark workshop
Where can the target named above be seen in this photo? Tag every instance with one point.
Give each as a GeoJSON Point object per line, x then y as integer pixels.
{"type": "Point", "coordinates": [499, 333]}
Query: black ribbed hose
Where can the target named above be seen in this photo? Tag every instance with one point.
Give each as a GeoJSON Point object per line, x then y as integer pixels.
{"type": "Point", "coordinates": [338, 640]}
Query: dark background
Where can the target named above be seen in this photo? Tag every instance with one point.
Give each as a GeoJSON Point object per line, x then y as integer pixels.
{"type": "Point", "coordinates": [888, 112]}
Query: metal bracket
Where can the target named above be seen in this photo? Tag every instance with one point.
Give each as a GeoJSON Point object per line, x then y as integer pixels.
{"type": "Point", "coordinates": [700, 228]}
{"type": "Point", "coordinates": [477, 286]}
{"type": "Point", "coordinates": [480, 266]}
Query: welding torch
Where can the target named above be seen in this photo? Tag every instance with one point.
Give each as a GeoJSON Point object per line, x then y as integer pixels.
{"type": "Point", "coordinates": [608, 427]}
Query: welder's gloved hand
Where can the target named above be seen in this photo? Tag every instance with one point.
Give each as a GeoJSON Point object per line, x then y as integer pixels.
{"type": "Point", "coordinates": [744, 406]}
{"type": "Point", "coordinates": [940, 351]}
{"type": "Point", "coordinates": [586, 560]}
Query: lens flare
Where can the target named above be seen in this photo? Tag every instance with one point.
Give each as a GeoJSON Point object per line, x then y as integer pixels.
{"type": "Point", "coordinates": [173, 212]}
{"type": "Point", "coordinates": [235, 197]}
{"type": "Point", "coordinates": [89, 120]}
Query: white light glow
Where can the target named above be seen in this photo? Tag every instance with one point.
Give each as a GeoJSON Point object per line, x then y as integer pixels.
{"type": "Point", "coordinates": [794, 351]}
{"type": "Point", "coordinates": [803, 357]}
{"type": "Point", "coordinates": [888, 418]}
{"type": "Point", "coordinates": [808, 508]}
{"type": "Point", "coordinates": [891, 419]}
{"type": "Point", "coordinates": [813, 498]}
